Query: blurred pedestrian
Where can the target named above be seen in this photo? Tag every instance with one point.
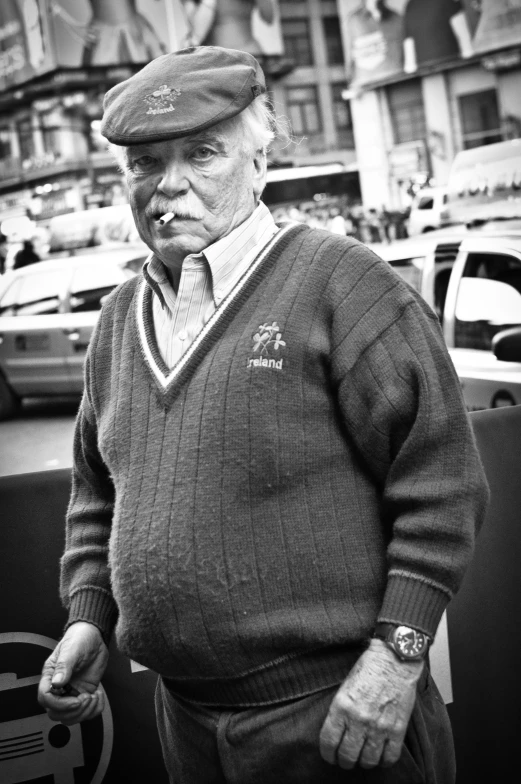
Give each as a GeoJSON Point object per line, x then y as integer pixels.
{"type": "Point", "coordinates": [349, 224]}
{"type": "Point", "coordinates": [3, 252]}
{"type": "Point", "coordinates": [26, 255]}
{"type": "Point", "coordinates": [336, 223]}
{"type": "Point", "coordinates": [385, 222]}
{"type": "Point", "coordinates": [375, 225]}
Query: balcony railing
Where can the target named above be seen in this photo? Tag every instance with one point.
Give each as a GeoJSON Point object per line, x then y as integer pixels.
{"type": "Point", "coordinates": [49, 164]}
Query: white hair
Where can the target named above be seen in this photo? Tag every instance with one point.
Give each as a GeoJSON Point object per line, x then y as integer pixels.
{"type": "Point", "coordinates": [258, 121]}
{"type": "Point", "coordinates": [119, 154]}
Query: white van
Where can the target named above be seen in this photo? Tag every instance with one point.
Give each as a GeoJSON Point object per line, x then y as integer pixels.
{"type": "Point", "coordinates": [89, 228]}
{"type": "Point", "coordinates": [485, 185]}
{"type": "Point", "coordinates": [427, 211]}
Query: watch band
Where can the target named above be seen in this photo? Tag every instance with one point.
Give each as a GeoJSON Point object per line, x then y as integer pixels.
{"type": "Point", "coordinates": [383, 631]}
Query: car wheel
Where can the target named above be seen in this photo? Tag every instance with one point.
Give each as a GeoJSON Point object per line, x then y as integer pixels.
{"type": "Point", "coordinates": [9, 402]}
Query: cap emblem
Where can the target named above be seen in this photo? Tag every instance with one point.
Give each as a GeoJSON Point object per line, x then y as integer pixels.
{"type": "Point", "coordinates": [160, 101]}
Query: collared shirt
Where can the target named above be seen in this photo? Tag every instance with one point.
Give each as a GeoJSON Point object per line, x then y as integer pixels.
{"type": "Point", "coordinates": [206, 279]}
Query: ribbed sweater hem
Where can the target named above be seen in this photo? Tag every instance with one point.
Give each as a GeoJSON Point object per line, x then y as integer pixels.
{"type": "Point", "coordinates": [413, 602]}
{"type": "Point", "coordinates": [288, 679]}
{"type": "Point", "coordinates": [95, 606]}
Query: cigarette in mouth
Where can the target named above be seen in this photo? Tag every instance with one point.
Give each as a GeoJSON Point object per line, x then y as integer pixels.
{"type": "Point", "coordinates": [166, 218]}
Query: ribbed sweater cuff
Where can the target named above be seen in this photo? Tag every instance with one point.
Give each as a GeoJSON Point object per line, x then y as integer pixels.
{"type": "Point", "coordinates": [413, 602]}
{"type": "Point", "coordinates": [96, 607]}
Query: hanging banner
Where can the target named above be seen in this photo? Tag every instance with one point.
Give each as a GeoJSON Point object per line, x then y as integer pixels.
{"type": "Point", "coordinates": [388, 38]}
{"type": "Point", "coordinates": [37, 36]}
{"type": "Point", "coordinates": [108, 32]}
{"type": "Point", "coordinates": [250, 25]}
{"type": "Point", "coordinates": [499, 25]}
{"type": "Point", "coordinates": [24, 42]}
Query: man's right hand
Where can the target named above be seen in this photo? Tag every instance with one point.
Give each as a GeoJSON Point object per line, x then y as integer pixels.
{"type": "Point", "coordinates": [69, 689]}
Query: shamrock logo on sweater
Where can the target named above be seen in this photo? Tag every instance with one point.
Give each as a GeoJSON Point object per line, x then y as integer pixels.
{"type": "Point", "coordinates": [268, 335]}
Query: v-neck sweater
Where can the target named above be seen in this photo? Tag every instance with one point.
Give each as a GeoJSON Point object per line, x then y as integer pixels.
{"type": "Point", "coordinates": [306, 469]}
{"type": "Point", "coordinates": [206, 278]}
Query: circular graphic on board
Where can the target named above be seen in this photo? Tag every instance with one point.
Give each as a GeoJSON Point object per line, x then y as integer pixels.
{"type": "Point", "coordinates": [33, 746]}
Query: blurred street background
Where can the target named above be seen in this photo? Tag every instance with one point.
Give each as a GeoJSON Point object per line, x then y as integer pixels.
{"type": "Point", "coordinates": [380, 96]}
{"type": "Point", "coordinates": [39, 438]}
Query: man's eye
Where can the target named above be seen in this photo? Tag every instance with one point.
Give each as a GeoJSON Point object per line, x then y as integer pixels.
{"type": "Point", "coordinates": [203, 153]}
{"type": "Point", "coordinates": [143, 163]}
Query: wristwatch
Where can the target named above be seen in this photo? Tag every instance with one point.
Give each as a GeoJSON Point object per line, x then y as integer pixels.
{"type": "Point", "coordinates": [408, 644]}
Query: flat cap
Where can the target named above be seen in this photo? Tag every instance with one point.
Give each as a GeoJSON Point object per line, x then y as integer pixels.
{"type": "Point", "coordinates": [181, 93]}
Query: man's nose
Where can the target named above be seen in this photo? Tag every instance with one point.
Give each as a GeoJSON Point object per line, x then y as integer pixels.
{"type": "Point", "coordinates": [174, 180]}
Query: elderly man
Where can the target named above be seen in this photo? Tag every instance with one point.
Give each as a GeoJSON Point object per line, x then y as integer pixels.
{"type": "Point", "coordinates": [275, 486]}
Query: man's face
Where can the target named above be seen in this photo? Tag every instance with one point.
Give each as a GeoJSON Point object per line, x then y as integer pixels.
{"type": "Point", "coordinates": [211, 181]}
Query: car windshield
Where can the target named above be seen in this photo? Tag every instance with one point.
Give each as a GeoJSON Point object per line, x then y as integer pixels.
{"type": "Point", "coordinates": [33, 294]}
{"type": "Point", "coordinates": [91, 284]}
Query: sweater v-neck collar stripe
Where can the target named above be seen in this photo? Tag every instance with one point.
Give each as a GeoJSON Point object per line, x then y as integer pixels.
{"type": "Point", "coordinates": [163, 375]}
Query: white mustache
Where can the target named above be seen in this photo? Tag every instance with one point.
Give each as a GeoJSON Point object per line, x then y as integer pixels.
{"type": "Point", "coordinates": [185, 208]}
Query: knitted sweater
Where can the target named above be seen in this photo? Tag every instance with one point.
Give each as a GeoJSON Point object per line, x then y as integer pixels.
{"type": "Point", "coordinates": [305, 469]}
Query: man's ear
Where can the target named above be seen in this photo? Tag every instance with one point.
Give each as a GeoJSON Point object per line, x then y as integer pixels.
{"type": "Point", "coordinates": [260, 167]}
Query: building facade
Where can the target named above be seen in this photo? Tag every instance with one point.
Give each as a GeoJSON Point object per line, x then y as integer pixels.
{"type": "Point", "coordinates": [59, 57]}
{"type": "Point", "coordinates": [427, 78]}
{"type": "Point", "coordinates": [389, 89]}
{"type": "Point", "coordinates": [310, 96]}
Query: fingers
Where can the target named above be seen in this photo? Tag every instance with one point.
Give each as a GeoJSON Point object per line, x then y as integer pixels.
{"type": "Point", "coordinates": [349, 738]}
{"type": "Point", "coordinates": [369, 715]}
{"type": "Point", "coordinates": [62, 673]}
{"type": "Point", "coordinates": [58, 669]}
{"type": "Point", "coordinates": [360, 746]}
{"type": "Point", "coordinates": [392, 751]}
{"type": "Point", "coordinates": [56, 675]}
{"type": "Point", "coordinates": [372, 751]}
{"type": "Point", "coordinates": [73, 709]}
{"type": "Point", "coordinates": [350, 748]}
{"type": "Point", "coordinates": [69, 688]}
{"type": "Point", "coordinates": [331, 736]}
{"type": "Point", "coordinates": [85, 707]}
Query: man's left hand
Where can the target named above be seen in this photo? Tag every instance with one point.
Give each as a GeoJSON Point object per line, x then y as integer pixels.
{"type": "Point", "coordinates": [368, 717]}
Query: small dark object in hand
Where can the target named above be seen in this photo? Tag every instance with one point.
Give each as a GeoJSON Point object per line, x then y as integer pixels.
{"type": "Point", "coordinates": [64, 691]}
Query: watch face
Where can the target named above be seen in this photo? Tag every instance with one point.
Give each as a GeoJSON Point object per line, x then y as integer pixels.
{"type": "Point", "coordinates": [410, 643]}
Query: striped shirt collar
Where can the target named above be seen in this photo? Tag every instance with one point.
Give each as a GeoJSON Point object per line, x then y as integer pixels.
{"type": "Point", "coordinates": [228, 258]}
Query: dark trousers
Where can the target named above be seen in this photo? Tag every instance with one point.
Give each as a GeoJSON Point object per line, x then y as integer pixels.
{"type": "Point", "coordinates": [279, 744]}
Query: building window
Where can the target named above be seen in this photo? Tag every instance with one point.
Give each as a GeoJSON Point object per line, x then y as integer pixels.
{"type": "Point", "coordinates": [488, 297]}
{"type": "Point", "coordinates": [342, 115]}
{"type": "Point", "coordinates": [480, 122]}
{"type": "Point", "coordinates": [303, 110]}
{"type": "Point", "coordinates": [407, 112]}
{"type": "Point", "coordinates": [25, 138]}
{"type": "Point", "coordinates": [51, 124]}
{"type": "Point", "coordinates": [333, 36]}
{"type": "Point", "coordinates": [297, 41]}
{"type": "Point", "coordinates": [5, 143]}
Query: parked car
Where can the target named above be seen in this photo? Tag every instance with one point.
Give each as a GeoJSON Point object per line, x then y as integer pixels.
{"type": "Point", "coordinates": [427, 211]}
{"type": "Point", "coordinates": [473, 282]}
{"type": "Point", "coordinates": [47, 314]}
